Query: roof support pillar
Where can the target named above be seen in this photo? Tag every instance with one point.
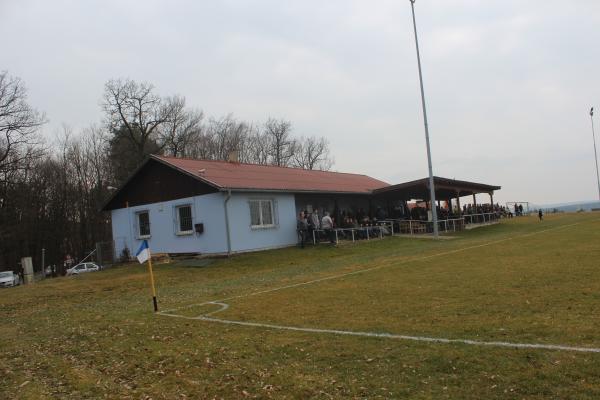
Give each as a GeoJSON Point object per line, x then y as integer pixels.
{"type": "Point", "coordinates": [492, 198]}
{"type": "Point", "coordinates": [474, 200]}
{"type": "Point", "coordinates": [458, 203]}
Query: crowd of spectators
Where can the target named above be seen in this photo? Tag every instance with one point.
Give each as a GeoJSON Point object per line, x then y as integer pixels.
{"type": "Point", "coordinates": [471, 209]}
{"type": "Point", "coordinates": [353, 223]}
{"type": "Point", "coordinates": [311, 225]}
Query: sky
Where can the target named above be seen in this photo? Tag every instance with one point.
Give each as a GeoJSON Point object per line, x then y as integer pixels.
{"type": "Point", "coordinates": [508, 84]}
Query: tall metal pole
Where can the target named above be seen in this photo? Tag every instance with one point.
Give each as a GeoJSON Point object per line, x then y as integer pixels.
{"type": "Point", "coordinates": [431, 183]}
{"type": "Point", "coordinates": [595, 153]}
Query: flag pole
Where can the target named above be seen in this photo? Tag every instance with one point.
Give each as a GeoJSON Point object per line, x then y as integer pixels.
{"type": "Point", "coordinates": [152, 280]}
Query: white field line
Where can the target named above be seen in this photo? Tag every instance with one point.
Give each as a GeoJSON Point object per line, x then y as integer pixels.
{"type": "Point", "coordinates": [207, 316]}
{"type": "Point", "coordinates": [383, 335]}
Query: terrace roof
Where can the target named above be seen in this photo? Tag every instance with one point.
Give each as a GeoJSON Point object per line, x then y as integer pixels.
{"type": "Point", "coordinates": [444, 189]}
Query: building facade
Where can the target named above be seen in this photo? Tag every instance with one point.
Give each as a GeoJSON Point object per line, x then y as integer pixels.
{"type": "Point", "coordinates": [219, 207]}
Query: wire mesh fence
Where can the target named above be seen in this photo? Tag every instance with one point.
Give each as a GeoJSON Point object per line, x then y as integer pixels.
{"type": "Point", "coordinates": [105, 253]}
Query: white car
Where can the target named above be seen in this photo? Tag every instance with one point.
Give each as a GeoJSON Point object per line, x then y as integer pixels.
{"type": "Point", "coordinates": [9, 278]}
{"type": "Point", "coordinates": [83, 268]}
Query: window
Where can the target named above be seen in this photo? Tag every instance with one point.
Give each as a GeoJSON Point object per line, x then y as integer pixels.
{"type": "Point", "coordinates": [262, 213]}
{"type": "Point", "coordinates": [184, 220]}
{"type": "Point", "coordinates": [143, 219]}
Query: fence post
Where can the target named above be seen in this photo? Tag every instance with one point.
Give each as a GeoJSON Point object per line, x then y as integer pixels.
{"type": "Point", "coordinates": [43, 262]}
{"type": "Point", "coordinates": [99, 253]}
{"type": "Point", "coordinates": [410, 226]}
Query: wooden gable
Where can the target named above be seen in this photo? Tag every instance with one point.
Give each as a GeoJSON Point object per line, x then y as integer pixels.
{"type": "Point", "coordinates": [156, 182]}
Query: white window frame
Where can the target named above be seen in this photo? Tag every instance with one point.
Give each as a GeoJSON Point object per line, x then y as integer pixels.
{"type": "Point", "coordinates": [273, 205]}
{"type": "Point", "coordinates": [178, 230]}
{"type": "Point", "coordinates": [138, 226]}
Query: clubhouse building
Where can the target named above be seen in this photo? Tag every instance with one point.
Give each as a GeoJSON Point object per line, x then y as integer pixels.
{"type": "Point", "coordinates": [223, 207]}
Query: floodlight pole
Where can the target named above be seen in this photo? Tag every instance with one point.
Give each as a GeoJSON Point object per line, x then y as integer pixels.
{"type": "Point", "coordinates": [595, 153]}
{"type": "Point", "coordinates": [431, 183]}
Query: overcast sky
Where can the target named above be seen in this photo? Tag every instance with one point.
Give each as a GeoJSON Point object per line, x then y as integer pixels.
{"type": "Point", "coordinates": [508, 83]}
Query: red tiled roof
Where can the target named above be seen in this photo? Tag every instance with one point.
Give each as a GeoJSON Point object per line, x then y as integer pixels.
{"type": "Point", "coordinates": [240, 176]}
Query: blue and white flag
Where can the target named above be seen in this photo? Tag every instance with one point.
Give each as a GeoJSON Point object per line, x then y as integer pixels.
{"type": "Point", "coordinates": [143, 254]}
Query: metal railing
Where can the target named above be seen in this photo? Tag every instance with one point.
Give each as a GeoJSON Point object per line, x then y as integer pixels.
{"type": "Point", "coordinates": [391, 227]}
{"type": "Point", "coordinates": [367, 232]}
{"type": "Point", "coordinates": [481, 218]}
{"type": "Point", "coordinates": [414, 227]}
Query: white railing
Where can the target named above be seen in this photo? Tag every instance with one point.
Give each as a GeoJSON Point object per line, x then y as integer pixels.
{"type": "Point", "coordinates": [403, 226]}
{"type": "Point", "coordinates": [481, 218]}
{"type": "Point", "coordinates": [367, 232]}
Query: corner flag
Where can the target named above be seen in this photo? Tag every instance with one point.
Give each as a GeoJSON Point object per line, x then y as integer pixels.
{"type": "Point", "coordinates": [143, 255]}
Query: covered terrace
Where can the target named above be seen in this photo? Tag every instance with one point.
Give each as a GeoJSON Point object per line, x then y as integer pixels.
{"type": "Point", "coordinates": [396, 199]}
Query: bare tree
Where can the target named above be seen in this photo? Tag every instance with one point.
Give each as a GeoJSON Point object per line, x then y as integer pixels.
{"type": "Point", "coordinates": [282, 145]}
{"type": "Point", "coordinates": [258, 148]}
{"type": "Point", "coordinates": [312, 153]}
{"type": "Point", "coordinates": [202, 146]}
{"type": "Point", "coordinates": [182, 129]}
{"type": "Point", "coordinates": [19, 123]}
{"type": "Point", "coordinates": [228, 134]}
{"type": "Point", "coordinates": [96, 144]}
{"type": "Point", "coordinates": [136, 108]}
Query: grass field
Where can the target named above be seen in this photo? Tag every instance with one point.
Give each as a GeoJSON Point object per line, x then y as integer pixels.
{"type": "Point", "coordinates": [521, 282]}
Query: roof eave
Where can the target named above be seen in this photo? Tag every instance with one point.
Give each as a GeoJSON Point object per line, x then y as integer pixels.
{"type": "Point", "coordinates": [246, 190]}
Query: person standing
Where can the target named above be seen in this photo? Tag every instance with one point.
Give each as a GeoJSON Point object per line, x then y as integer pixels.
{"type": "Point", "coordinates": [327, 226]}
{"type": "Point", "coordinates": [540, 215]}
{"type": "Point", "coordinates": [302, 227]}
{"type": "Point", "coordinates": [315, 220]}
{"type": "Point", "coordinates": [314, 225]}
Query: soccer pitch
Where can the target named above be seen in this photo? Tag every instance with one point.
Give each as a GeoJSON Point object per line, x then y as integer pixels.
{"type": "Point", "coordinates": [470, 295]}
{"type": "Point", "coordinates": [505, 311]}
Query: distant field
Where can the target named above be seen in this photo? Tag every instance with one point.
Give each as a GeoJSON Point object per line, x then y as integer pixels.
{"type": "Point", "coordinates": [520, 282]}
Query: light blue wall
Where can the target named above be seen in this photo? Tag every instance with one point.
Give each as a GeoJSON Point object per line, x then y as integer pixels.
{"type": "Point", "coordinates": [207, 209]}
{"type": "Point", "coordinates": [244, 238]}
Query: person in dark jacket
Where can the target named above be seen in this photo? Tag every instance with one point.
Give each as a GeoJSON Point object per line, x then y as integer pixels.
{"type": "Point", "coordinates": [540, 215]}
{"type": "Point", "coordinates": [302, 227]}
